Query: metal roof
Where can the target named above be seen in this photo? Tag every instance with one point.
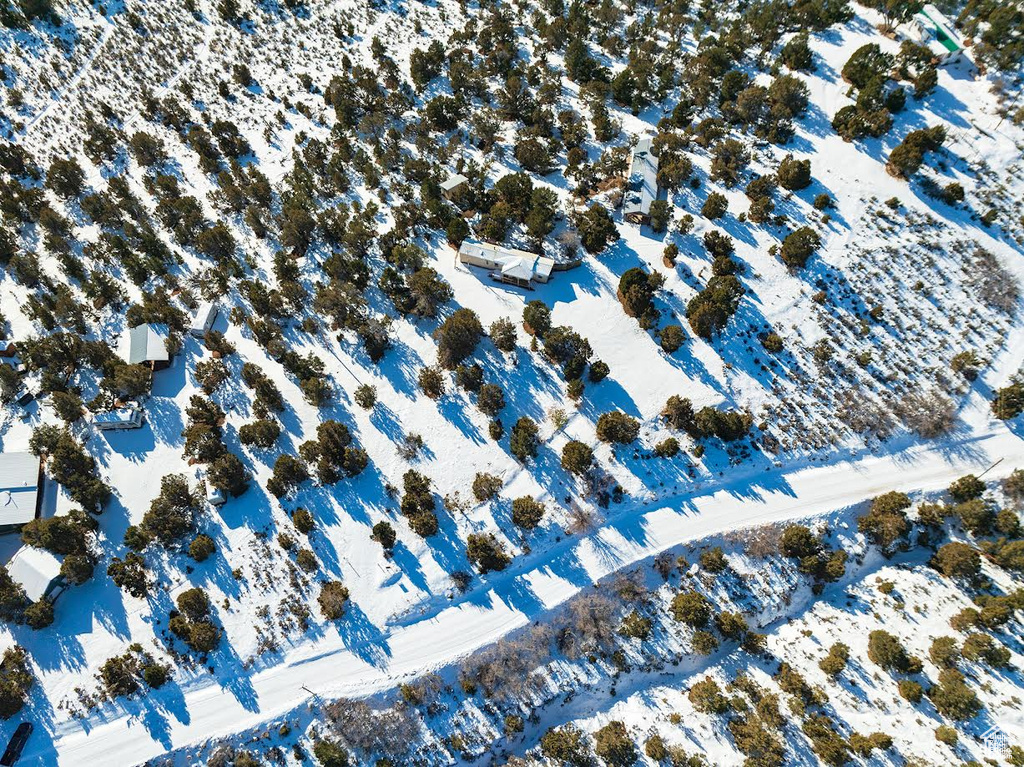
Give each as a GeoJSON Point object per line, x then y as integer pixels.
{"type": "Point", "coordinates": [935, 32]}
{"type": "Point", "coordinates": [146, 344]}
{"type": "Point", "coordinates": [943, 29]}
{"type": "Point", "coordinates": [35, 569]}
{"type": "Point", "coordinates": [642, 188]}
{"type": "Point", "coordinates": [19, 488]}
{"type": "Point", "coordinates": [203, 317]}
{"type": "Point", "coordinates": [452, 182]}
{"type": "Point", "coordinates": [520, 264]}
{"type": "Point", "coordinates": [121, 415]}
{"type": "Point", "coordinates": [518, 269]}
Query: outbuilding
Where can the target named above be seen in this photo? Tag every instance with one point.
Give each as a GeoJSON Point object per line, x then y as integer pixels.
{"type": "Point", "coordinates": [454, 186]}
{"type": "Point", "coordinates": [215, 497]}
{"type": "Point", "coordinates": [38, 572]}
{"type": "Point", "coordinates": [147, 345]}
{"type": "Point", "coordinates": [21, 479]}
{"type": "Point", "coordinates": [203, 319]}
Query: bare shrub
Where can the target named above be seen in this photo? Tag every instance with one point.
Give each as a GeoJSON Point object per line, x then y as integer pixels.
{"type": "Point", "coordinates": [558, 417]}
{"type": "Point", "coordinates": [858, 410]}
{"type": "Point", "coordinates": [582, 519]}
{"type": "Point", "coordinates": [570, 242]}
{"type": "Point", "coordinates": [630, 587]}
{"type": "Point", "coordinates": [411, 446]}
{"type": "Point", "coordinates": [929, 413]}
{"type": "Point", "coordinates": [758, 542]}
{"type": "Point", "coordinates": [222, 756]}
{"type": "Point", "coordinates": [380, 731]}
{"type": "Point", "coordinates": [588, 626]}
{"type": "Point", "coordinates": [423, 691]}
{"type": "Point", "coordinates": [996, 286]}
{"type": "Point", "coordinates": [454, 502]}
{"type": "Point", "coordinates": [506, 670]}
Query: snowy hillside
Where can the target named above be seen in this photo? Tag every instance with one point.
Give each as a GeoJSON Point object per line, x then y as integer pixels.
{"type": "Point", "coordinates": [378, 459]}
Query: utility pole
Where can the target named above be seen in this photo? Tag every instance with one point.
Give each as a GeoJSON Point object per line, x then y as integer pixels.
{"type": "Point", "coordinates": [990, 468]}
{"type": "Point", "coordinates": [313, 694]}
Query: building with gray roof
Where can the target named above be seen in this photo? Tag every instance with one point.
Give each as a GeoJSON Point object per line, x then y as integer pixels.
{"type": "Point", "coordinates": [147, 345]}
{"type": "Point", "coordinates": [508, 265]}
{"type": "Point", "coordinates": [38, 572]}
{"type": "Point", "coordinates": [642, 184]}
{"type": "Point", "coordinates": [453, 184]}
{"type": "Point", "coordinates": [21, 478]}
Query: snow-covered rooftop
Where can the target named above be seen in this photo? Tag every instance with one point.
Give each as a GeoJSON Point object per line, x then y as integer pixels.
{"type": "Point", "coordinates": [932, 29]}
{"type": "Point", "coordinates": [453, 182]}
{"type": "Point", "coordinates": [19, 488]}
{"type": "Point", "coordinates": [643, 180]}
{"type": "Point", "coordinates": [121, 417]}
{"type": "Point", "coordinates": [203, 318]}
{"type": "Point", "coordinates": [517, 264]}
{"type": "Point", "coordinates": [146, 344]}
{"type": "Point", "coordinates": [35, 569]}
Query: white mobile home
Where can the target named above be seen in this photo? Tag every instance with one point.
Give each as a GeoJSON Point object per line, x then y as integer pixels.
{"type": "Point", "coordinates": [122, 418]}
{"type": "Point", "coordinates": [508, 265]}
{"type": "Point", "coordinates": [642, 184]}
{"type": "Point", "coordinates": [930, 28]}
{"type": "Point", "coordinates": [203, 319]}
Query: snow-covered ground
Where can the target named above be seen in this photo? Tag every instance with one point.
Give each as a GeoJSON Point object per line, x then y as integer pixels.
{"type": "Point", "coordinates": [864, 698]}
{"type": "Point", "coordinates": [340, 665]}
{"type": "Point", "coordinates": [405, 619]}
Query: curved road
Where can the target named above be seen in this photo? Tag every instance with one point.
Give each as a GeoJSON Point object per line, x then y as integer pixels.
{"type": "Point", "coordinates": [329, 669]}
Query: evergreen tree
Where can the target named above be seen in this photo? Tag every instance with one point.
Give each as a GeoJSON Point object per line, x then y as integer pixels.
{"type": "Point", "coordinates": [524, 440]}
{"type": "Point", "coordinates": [596, 229]}
{"type": "Point", "coordinates": [458, 337]}
{"type": "Point", "coordinates": [794, 174]}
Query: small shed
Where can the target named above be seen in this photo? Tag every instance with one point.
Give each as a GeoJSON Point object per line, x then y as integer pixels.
{"type": "Point", "coordinates": [121, 418]}
{"type": "Point", "coordinates": [215, 497]}
{"type": "Point", "coordinates": [203, 319]}
{"type": "Point", "coordinates": [8, 348]}
{"type": "Point", "coordinates": [453, 186]}
{"type": "Point", "coordinates": [38, 572]}
{"type": "Point", "coordinates": [147, 345]}
{"type": "Point", "coordinates": [21, 478]}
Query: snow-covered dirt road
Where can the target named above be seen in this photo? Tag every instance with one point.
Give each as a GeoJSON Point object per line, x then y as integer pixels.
{"type": "Point", "coordinates": [330, 669]}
